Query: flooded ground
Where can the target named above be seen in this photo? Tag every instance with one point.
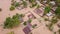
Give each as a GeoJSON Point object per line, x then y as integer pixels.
{"type": "Point", "coordinates": [5, 4]}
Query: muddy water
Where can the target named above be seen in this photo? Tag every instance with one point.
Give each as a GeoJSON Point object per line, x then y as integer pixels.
{"type": "Point", "coordinates": [5, 4]}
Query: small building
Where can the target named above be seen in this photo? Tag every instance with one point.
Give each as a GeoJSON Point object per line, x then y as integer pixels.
{"type": "Point", "coordinates": [39, 11]}
{"type": "Point", "coordinates": [27, 30]}
{"type": "Point", "coordinates": [52, 3]}
{"type": "Point", "coordinates": [49, 14]}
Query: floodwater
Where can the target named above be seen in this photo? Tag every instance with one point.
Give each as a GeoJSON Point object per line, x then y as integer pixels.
{"type": "Point", "coordinates": [5, 4]}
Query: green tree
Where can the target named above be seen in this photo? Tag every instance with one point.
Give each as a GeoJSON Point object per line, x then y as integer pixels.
{"type": "Point", "coordinates": [47, 9]}
{"type": "Point", "coordinates": [57, 12]}
{"type": "Point", "coordinates": [16, 20]}
{"type": "Point", "coordinates": [33, 5]}
{"type": "Point", "coordinates": [59, 31]}
{"type": "Point", "coordinates": [58, 2]}
{"type": "Point", "coordinates": [16, 4]}
{"type": "Point", "coordinates": [54, 20]}
{"type": "Point", "coordinates": [29, 20]}
{"type": "Point", "coordinates": [24, 3]}
{"type": "Point", "coordinates": [0, 9]}
{"type": "Point", "coordinates": [12, 8]}
{"type": "Point", "coordinates": [54, 32]}
{"type": "Point", "coordinates": [8, 23]}
{"type": "Point", "coordinates": [25, 23]}
{"type": "Point", "coordinates": [12, 22]}
{"type": "Point", "coordinates": [31, 1]}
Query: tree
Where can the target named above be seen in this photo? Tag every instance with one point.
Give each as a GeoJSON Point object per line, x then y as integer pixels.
{"type": "Point", "coordinates": [16, 4]}
{"type": "Point", "coordinates": [57, 12]}
{"type": "Point", "coordinates": [54, 32]}
{"type": "Point", "coordinates": [54, 20]}
{"type": "Point", "coordinates": [31, 1]}
{"type": "Point", "coordinates": [25, 23]}
{"type": "Point", "coordinates": [16, 20]}
{"type": "Point", "coordinates": [12, 22]}
{"type": "Point", "coordinates": [57, 2]}
{"type": "Point", "coordinates": [33, 5]}
{"type": "Point", "coordinates": [12, 8]}
{"type": "Point", "coordinates": [0, 9]}
{"type": "Point", "coordinates": [47, 9]}
{"type": "Point", "coordinates": [29, 20]}
{"type": "Point", "coordinates": [8, 23]}
{"type": "Point", "coordinates": [59, 31]}
{"type": "Point", "coordinates": [24, 3]}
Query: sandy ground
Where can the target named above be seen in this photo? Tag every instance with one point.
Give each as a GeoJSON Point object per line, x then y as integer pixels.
{"type": "Point", "coordinates": [5, 4]}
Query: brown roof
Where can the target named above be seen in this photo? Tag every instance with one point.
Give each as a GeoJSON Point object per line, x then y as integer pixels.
{"type": "Point", "coordinates": [26, 30]}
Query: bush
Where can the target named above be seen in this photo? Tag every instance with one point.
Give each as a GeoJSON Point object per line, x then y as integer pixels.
{"type": "Point", "coordinates": [12, 8]}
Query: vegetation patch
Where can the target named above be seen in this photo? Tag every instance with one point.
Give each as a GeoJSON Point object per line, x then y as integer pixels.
{"type": "Point", "coordinates": [12, 22]}
{"type": "Point", "coordinates": [47, 10]}
{"type": "Point", "coordinates": [57, 12]}
{"type": "Point", "coordinates": [0, 9]}
{"type": "Point", "coordinates": [12, 8]}
{"type": "Point", "coordinates": [11, 32]}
